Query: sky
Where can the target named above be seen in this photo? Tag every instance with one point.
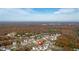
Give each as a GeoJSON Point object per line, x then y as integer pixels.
{"type": "Point", "coordinates": [39, 14]}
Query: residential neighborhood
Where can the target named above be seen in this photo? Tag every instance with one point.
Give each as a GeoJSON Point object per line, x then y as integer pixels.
{"type": "Point", "coordinates": [37, 42]}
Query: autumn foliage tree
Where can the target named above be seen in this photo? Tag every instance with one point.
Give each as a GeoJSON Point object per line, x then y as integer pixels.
{"type": "Point", "coordinates": [67, 42]}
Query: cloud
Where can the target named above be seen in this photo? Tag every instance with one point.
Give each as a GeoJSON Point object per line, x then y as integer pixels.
{"type": "Point", "coordinates": [14, 14]}
{"type": "Point", "coordinates": [65, 14]}
{"type": "Point", "coordinates": [28, 14]}
{"type": "Point", "coordinates": [66, 10]}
